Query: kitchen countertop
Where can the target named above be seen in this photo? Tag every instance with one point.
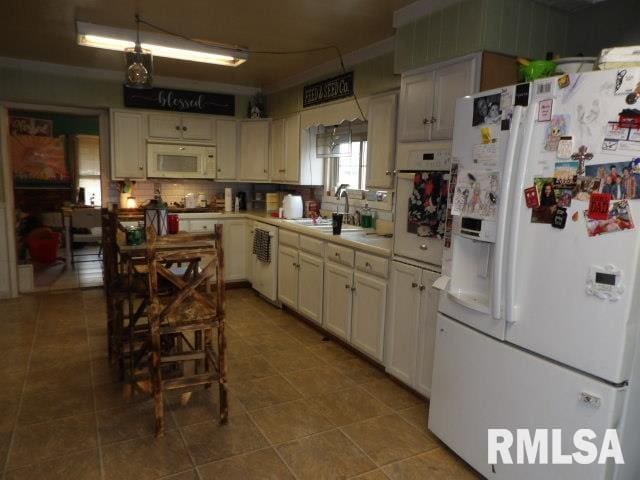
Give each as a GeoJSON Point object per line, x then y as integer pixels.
{"type": "Point", "coordinates": [374, 244]}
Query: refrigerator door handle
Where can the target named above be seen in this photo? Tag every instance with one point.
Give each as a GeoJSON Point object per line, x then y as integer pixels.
{"type": "Point", "coordinates": [498, 264]}
{"type": "Point", "coordinates": [516, 202]}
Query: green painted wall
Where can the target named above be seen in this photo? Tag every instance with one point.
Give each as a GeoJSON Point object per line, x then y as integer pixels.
{"type": "Point", "coordinates": [514, 27]}
{"type": "Point", "coordinates": [370, 77]}
{"type": "Point", "coordinates": [61, 90]}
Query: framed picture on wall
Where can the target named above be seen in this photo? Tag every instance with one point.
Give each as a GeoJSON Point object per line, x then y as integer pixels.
{"type": "Point", "coordinates": [39, 162]}
{"type": "Point", "coordinates": [30, 126]}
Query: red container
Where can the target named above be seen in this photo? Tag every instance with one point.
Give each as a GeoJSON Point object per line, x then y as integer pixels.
{"type": "Point", "coordinates": [44, 249]}
{"type": "Point", "coordinates": [173, 223]}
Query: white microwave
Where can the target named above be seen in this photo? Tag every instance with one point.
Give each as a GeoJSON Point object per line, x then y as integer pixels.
{"type": "Point", "coordinates": [180, 161]}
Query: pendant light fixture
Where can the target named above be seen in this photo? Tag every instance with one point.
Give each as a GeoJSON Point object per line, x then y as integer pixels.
{"type": "Point", "coordinates": [139, 63]}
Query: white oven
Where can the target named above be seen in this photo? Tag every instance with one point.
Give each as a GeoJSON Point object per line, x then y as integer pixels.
{"type": "Point", "coordinates": [180, 161]}
{"type": "Point", "coordinates": [421, 202]}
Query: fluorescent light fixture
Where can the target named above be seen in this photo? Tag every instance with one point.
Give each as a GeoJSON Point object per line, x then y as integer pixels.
{"type": "Point", "coordinates": [159, 44]}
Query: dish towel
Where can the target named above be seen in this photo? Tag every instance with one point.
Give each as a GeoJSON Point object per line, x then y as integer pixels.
{"type": "Point", "coordinates": [262, 245]}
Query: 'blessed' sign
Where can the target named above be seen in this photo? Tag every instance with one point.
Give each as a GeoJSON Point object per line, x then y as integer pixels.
{"type": "Point", "coordinates": [180, 100]}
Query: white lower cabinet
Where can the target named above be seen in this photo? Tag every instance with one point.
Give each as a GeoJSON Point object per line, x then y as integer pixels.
{"type": "Point", "coordinates": [311, 275]}
{"type": "Point", "coordinates": [410, 329]}
{"type": "Point", "coordinates": [368, 315]}
{"type": "Point", "coordinates": [288, 276]}
{"type": "Point", "coordinates": [300, 276]}
{"type": "Point", "coordinates": [338, 282]}
{"type": "Point", "coordinates": [234, 243]}
{"type": "Point", "coordinates": [234, 238]}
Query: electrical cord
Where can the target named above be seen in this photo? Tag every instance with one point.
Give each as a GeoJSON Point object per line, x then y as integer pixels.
{"type": "Point", "coordinates": [257, 52]}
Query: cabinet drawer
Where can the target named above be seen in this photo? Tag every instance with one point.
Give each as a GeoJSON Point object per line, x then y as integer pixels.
{"type": "Point", "coordinates": [340, 254]}
{"type": "Point", "coordinates": [371, 264]}
{"type": "Point", "coordinates": [312, 245]}
{"type": "Point", "coordinates": [202, 225]}
{"type": "Point", "coordinates": [288, 238]}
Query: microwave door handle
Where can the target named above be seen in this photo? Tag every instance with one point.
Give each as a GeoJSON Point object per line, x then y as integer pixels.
{"type": "Point", "coordinates": [516, 202]}
{"type": "Point", "coordinates": [503, 210]}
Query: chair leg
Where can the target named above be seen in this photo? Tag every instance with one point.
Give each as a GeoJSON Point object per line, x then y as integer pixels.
{"type": "Point", "coordinates": [222, 373]}
{"type": "Point", "coordinates": [197, 345]}
{"type": "Point", "coordinates": [156, 371]}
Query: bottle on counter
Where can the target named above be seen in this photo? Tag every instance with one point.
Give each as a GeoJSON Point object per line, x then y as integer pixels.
{"type": "Point", "coordinates": [366, 220]}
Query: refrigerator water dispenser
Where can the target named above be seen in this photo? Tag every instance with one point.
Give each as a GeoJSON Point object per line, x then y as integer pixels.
{"type": "Point", "coordinates": [471, 276]}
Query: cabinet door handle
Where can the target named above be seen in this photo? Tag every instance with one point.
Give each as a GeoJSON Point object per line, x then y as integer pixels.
{"type": "Point", "coordinates": [422, 287]}
{"type": "Point", "coordinates": [367, 265]}
{"type": "Point", "coordinates": [219, 169]}
{"type": "Point", "coordinates": [353, 289]}
{"type": "Point", "coordinates": [337, 254]}
{"type": "Point", "coordinates": [423, 246]}
{"type": "Point", "coordinates": [184, 129]}
{"type": "Point", "coordinates": [177, 127]}
{"type": "Point", "coordinates": [433, 120]}
{"type": "Point", "coordinates": [347, 286]}
{"type": "Point", "coordinates": [425, 121]}
{"type": "Point", "coordinates": [414, 285]}
{"type": "Point", "coordinates": [282, 170]}
{"type": "Point", "coordinates": [389, 172]}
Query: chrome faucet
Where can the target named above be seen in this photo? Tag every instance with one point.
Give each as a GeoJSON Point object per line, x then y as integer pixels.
{"type": "Point", "coordinates": [341, 191]}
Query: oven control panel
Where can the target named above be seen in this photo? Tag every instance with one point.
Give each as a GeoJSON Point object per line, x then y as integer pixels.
{"type": "Point", "coordinates": [431, 159]}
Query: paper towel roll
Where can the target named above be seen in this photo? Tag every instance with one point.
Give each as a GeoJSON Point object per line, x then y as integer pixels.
{"type": "Point", "coordinates": [228, 200]}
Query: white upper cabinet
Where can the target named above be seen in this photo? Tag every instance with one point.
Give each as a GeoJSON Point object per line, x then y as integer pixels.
{"type": "Point", "coordinates": [292, 155]}
{"type": "Point", "coordinates": [416, 107]}
{"type": "Point", "coordinates": [227, 149]}
{"type": "Point", "coordinates": [254, 150]}
{"type": "Point", "coordinates": [381, 140]}
{"type": "Point", "coordinates": [128, 152]}
{"type": "Point", "coordinates": [178, 126]}
{"type": "Point", "coordinates": [165, 125]}
{"type": "Point", "coordinates": [285, 149]}
{"type": "Point", "coordinates": [451, 82]}
{"type": "Point", "coordinates": [278, 148]}
{"type": "Point", "coordinates": [198, 127]}
{"type": "Point", "coordinates": [428, 99]}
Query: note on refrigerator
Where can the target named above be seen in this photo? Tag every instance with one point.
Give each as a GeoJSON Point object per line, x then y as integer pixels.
{"type": "Point", "coordinates": [476, 194]}
{"type": "Point", "coordinates": [485, 156]}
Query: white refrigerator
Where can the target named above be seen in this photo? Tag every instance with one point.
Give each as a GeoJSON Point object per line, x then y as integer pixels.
{"type": "Point", "coordinates": [539, 305]}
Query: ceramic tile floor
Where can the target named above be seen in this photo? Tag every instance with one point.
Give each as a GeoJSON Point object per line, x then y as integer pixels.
{"type": "Point", "coordinates": [300, 407]}
{"type": "Point", "coordinates": [87, 272]}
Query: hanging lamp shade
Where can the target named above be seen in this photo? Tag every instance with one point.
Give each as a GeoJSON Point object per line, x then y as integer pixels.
{"type": "Point", "coordinates": [139, 68]}
{"type": "Point", "coordinates": [139, 64]}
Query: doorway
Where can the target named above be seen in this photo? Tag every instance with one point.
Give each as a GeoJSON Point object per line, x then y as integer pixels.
{"type": "Point", "coordinates": [56, 173]}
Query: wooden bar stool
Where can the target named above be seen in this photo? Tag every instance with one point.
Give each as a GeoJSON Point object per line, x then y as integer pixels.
{"type": "Point", "coordinates": [182, 323]}
{"type": "Point", "coordinates": [125, 286]}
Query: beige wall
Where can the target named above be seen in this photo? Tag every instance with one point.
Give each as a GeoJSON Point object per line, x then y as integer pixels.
{"type": "Point", "coordinates": [370, 77]}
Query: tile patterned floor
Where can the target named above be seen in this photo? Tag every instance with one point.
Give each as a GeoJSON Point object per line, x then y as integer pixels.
{"type": "Point", "coordinates": [300, 407]}
{"type": "Point", "coordinates": [87, 272]}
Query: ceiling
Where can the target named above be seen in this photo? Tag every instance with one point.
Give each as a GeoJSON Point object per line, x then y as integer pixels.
{"type": "Point", "coordinates": [45, 30]}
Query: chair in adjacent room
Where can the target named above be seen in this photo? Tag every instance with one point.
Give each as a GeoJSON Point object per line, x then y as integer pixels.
{"type": "Point", "coordinates": [86, 219]}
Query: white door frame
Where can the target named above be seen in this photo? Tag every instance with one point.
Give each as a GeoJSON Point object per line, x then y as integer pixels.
{"type": "Point", "coordinates": [7, 171]}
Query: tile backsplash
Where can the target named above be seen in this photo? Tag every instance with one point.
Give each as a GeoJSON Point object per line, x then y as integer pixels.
{"type": "Point", "coordinates": [174, 191]}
